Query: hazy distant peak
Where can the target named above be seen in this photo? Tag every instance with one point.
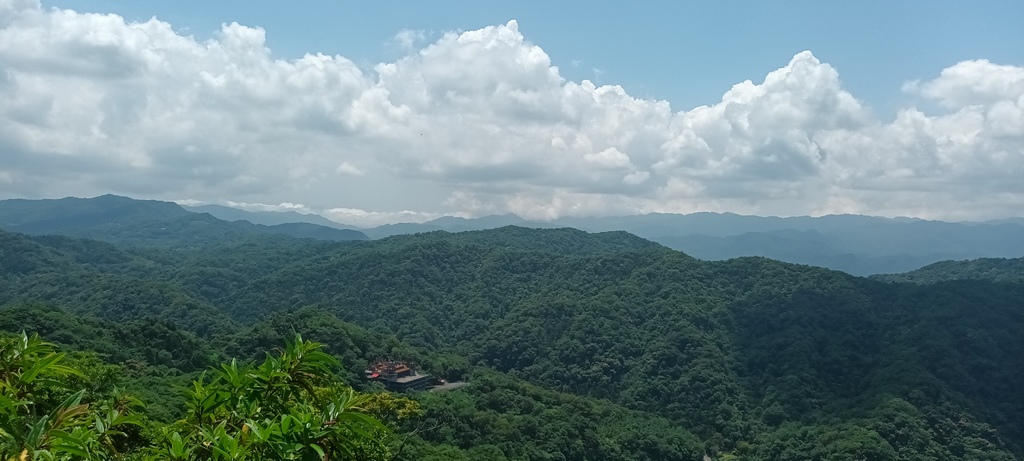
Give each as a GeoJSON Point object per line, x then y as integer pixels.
{"type": "Point", "coordinates": [267, 218]}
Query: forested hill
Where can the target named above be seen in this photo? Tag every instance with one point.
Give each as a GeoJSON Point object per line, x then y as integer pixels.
{"type": "Point", "coordinates": [860, 245]}
{"type": "Point", "coordinates": [748, 358]}
{"type": "Point", "coordinates": [563, 241]}
{"type": "Point", "coordinates": [994, 269]}
{"type": "Point", "coordinates": [127, 221]}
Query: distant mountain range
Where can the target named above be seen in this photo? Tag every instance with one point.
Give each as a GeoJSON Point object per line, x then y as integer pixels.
{"type": "Point", "coordinates": [859, 245]}
{"type": "Point", "coordinates": [123, 220]}
{"type": "Point", "coordinates": [266, 218]}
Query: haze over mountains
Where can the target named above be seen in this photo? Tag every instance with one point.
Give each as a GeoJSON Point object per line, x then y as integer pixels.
{"type": "Point", "coordinates": [123, 220]}
{"type": "Point", "coordinates": [859, 245]}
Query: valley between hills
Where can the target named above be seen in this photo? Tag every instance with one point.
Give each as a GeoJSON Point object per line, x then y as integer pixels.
{"type": "Point", "coordinates": [576, 342]}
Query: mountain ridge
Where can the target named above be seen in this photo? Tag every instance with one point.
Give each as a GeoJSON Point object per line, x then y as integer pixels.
{"type": "Point", "coordinates": [990, 269]}
{"type": "Point", "coordinates": [119, 219]}
{"type": "Point", "coordinates": [857, 244]}
{"type": "Point", "coordinates": [749, 355]}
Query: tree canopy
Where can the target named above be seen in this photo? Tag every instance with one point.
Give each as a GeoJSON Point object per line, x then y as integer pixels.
{"type": "Point", "coordinates": [747, 358]}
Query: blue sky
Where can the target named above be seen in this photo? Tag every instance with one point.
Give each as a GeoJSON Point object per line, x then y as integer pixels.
{"type": "Point", "coordinates": [688, 53]}
{"type": "Point", "coordinates": [543, 109]}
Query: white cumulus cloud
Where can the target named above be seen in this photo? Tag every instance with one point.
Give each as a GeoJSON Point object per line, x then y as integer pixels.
{"type": "Point", "coordinates": [477, 122]}
{"type": "Point", "coordinates": [347, 168]}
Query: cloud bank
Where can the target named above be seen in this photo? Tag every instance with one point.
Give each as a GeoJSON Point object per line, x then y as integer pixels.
{"type": "Point", "coordinates": [478, 122]}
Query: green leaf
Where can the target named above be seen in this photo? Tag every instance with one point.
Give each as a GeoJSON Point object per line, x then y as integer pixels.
{"type": "Point", "coordinates": [43, 365]}
{"type": "Point", "coordinates": [177, 446]}
{"type": "Point", "coordinates": [71, 449]}
{"type": "Point", "coordinates": [9, 405]}
{"type": "Point", "coordinates": [35, 434]}
{"type": "Point", "coordinates": [71, 444]}
{"type": "Point", "coordinates": [318, 450]}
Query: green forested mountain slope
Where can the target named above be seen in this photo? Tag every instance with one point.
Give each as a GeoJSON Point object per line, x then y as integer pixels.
{"type": "Point", "coordinates": [860, 245]}
{"type": "Point", "coordinates": [57, 215]}
{"type": "Point", "coordinates": [127, 221]}
{"type": "Point", "coordinates": [753, 357]}
{"type": "Point", "coordinates": [994, 269]}
{"type": "Point", "coordinates": [494, 417]}
{"type": "Point", "coordinates": [112, 284]}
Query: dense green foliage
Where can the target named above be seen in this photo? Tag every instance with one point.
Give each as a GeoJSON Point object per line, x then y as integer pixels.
{"type": "Point", "coordinates": [747, 358]}
{"type": "Point", "coordinates": [499, 418]}
{"type": "Point", "coordinates": [289, 407]}
{"type": "Point", "coordinates": [42, 413]}
{"type": "Point", "coordinates": [992, 269]}
{"type": "Point", "coordinates": [545, 420]}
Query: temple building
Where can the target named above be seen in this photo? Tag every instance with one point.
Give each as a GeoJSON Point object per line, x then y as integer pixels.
{"type": "Point", "coordinates": [397, 375]}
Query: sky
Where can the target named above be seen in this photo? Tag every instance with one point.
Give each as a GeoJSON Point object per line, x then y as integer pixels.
{"type": "Point", "coordinates": [406, 111]}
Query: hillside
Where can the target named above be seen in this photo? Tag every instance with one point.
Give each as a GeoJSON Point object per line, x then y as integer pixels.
{"type": "Point", "coordinates": [991, 269]}
{"type": "Point", "coordinates": [859, 245]}
{"type": "Point", "coordinates": [644, 326]}
{"type": "Point", "coordinates": [753, 357]}
{"type": "Point", "coordinates": [71, 215]}
{"type": "Point", "coordinates": [127, 221]}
